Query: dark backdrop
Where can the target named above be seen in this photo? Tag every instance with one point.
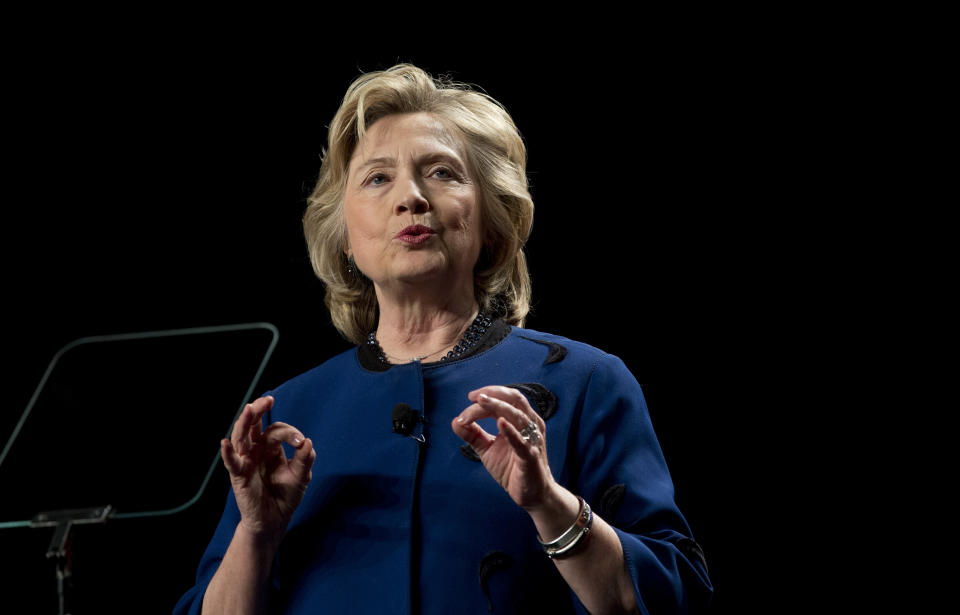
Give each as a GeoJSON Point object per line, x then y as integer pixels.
{"type": "Point", "coordinates": [157, 189]}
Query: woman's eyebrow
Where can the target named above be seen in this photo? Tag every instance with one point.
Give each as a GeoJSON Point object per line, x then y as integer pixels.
{"type": "Point", "coordinates": [426, 157]}
{"type": "Point", "coordinates": [445, 156]}
{"type": "Point", "coordinates": [384, 160]}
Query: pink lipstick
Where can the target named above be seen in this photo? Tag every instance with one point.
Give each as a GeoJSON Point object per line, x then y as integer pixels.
{"type": "Point", "coordinates": [416, 234]}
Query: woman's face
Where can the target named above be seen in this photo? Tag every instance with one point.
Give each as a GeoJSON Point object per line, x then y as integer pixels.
{"type": "Point", "coordinates": [411, 206]}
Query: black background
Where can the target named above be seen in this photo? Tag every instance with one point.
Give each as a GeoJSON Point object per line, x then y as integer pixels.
{"type": "Point", "coordinates": [156, 186]}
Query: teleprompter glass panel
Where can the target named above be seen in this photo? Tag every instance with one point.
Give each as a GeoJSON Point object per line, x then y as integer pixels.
{"type": "Point", "coordinates": [133, 421]}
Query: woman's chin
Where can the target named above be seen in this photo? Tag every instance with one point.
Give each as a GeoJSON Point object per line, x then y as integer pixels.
{"type": "Point", "coordinates": [438, 273]}
{"type": "Point", "coordinates": [423, 275]}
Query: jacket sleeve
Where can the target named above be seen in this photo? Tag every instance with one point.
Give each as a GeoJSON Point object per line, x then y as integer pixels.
{"type": "Point", "coordinates": [191, 602]}
{"type": "Point", "coordinates": [623, 475]}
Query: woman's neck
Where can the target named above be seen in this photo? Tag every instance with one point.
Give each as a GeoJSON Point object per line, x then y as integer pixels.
{"type": "Point", "coordinates": [423, 330]}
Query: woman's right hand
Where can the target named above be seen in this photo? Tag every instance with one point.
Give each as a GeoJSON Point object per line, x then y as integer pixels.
{"type": "Point", "coordinates": [268, 487]}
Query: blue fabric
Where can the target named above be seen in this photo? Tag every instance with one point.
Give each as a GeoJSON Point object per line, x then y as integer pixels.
{"type": "Point", "coordinates": [392, 526]}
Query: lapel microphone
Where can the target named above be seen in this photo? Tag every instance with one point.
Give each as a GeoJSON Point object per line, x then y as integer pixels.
{"type": "Point", "coordinates": [404, 420]}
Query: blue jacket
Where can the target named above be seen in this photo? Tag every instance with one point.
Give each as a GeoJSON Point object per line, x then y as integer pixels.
{"type": "Point", "coordinates": [390, 525]}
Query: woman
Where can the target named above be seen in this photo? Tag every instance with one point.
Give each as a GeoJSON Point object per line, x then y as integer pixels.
{"type": "Point", "coordinates": [456, 462]}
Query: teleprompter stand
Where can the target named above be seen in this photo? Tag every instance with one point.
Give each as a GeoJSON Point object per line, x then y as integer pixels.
{"type": "Point", "coordinates": [59, 549]}
{"type": "Point", "coordinates": [90, 432]}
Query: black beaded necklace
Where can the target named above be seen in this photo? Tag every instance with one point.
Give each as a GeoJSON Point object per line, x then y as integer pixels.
{"type": "Point", "coordinates": [470, 338]}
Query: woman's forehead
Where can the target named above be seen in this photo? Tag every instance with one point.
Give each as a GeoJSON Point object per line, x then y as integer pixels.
{"type": "Point", "coordinates": [410, 130]}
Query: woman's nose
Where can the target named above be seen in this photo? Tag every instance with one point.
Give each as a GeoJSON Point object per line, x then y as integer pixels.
{"type": "Point", "coordinates": [411, 199]}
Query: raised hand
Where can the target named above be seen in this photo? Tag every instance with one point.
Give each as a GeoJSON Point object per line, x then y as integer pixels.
{"type": "Point", "coordinates": [268, 487]}
{"type": "Point", "coordinates": [519, 464]}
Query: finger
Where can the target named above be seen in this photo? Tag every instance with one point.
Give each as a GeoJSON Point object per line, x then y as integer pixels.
{"type": "Point", "coordinates": [486, 407]}
{"type": "Point", "coordinates": [524, 449]}
{"type": "Point", "coordinates": [302, 461]}
{"type": "Point", "coordinates": [238, 437]}
{"type": "Point", "coordinates": [500, 392]}
{"type": "Point", "coordinates": [256, 426]}
{"type": "Point", "coordinates": [513, 397]}
{"type": "Point", "coordinates": [499, 408]}
{"type": "Point", "coordinates": [231, 460]}
{"type": "Point", "coordinates": [281, 432]}
{"type": "Point", "coordinates": [258, 408]}
{"type": "Point", "coordinates": [470, 432]}
{"type": "Point", "coordinates": [248, 427]}
{"type": "Point", "coordinates": [474, 412]}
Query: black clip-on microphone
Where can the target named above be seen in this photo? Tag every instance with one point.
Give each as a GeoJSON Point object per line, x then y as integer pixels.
{"type": "Point", "coordinates": [405, 419]}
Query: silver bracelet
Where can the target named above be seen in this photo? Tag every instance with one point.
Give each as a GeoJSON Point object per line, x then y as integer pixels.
{"type": "Point", "coordinates": [569, 539]}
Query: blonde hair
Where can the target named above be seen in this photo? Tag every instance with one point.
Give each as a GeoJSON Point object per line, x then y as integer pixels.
{"type": "Point", "coordinates": [498, 156]}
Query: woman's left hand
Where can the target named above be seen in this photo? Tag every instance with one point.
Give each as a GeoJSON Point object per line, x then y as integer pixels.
{"type": "Point", "coordinates": [518, 464]}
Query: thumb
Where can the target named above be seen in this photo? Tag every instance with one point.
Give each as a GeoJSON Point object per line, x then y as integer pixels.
{"type": "Point", "coordinates": [302, 461]}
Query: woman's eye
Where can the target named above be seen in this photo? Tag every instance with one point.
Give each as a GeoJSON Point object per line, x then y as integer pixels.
{"type": "Point", "coordinates": [444, 173]}
{"type": "Point", "coordinates": [377, 179]}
